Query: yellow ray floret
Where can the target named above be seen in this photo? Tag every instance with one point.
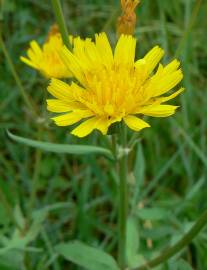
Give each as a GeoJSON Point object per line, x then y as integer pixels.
{"type": "Point", "coordinates": [46, 59]}
{"type": "Point", "coordinates": [111, 87]}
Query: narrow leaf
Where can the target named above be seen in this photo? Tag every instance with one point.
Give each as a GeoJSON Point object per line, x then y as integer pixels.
{"type": "Point", "coordinates": [62, 148]}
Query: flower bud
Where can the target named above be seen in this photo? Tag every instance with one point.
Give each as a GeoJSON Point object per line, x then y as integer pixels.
{"type": "Point", "coordinates": [126, 23]}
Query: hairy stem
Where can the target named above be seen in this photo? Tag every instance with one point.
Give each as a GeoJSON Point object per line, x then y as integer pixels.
{"type": "Point", "coordinates": [122, 167]}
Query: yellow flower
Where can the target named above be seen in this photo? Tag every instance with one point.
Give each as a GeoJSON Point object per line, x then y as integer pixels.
{"type": "Point", "coordinates": [112, 87]}
{"type": "Point", "coordinates": [47, 59]}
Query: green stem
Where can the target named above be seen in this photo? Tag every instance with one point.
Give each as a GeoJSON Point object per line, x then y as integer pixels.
{"type": "Point", "coordinates": [113, 144]}
{"type": "Point", "coordinates": [61, 22]}
{"type": "Point", "coordinates": [15, 75]}
{"type": "Point", "coordinates": [171, 251]}
{"type": "Point", "coordinates": [122, 218]}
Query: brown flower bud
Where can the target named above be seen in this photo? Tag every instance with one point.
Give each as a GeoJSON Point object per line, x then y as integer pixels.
{"type": "Point", "coordinates": [126, 23]}
{"type": "Point", "coordinates": [53, 31]}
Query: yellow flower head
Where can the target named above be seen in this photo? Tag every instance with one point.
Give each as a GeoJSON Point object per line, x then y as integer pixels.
{"type": "Point", "coordinates": [112, 87]}
{"type": "Point", "coordinates": [47, 59]}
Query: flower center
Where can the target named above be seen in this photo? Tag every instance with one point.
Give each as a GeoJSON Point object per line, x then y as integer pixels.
{"type": "Point", "coordinates": [113, 92]}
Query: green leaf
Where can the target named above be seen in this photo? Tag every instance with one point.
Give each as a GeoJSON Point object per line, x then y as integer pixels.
{"type": "Point", "coordinates": [194, 189]}
{"type": "Point", "coordinates": [139, 167]}
{"type": "Point", "coordinates": [139, 174]}
{"type": "Point", "coordinates": [18, 215]}
{"type": "Point", "coordinates": [154, 213]}
{"type": "Point", "coordinates": [132, 242]}
{"type": "Point", "coordinates": [183, 265]}
{"type": "Point", "coordinates": [86, 256]}
{"type": "Point", "coordinates": [12, 260]}
{"type": "Point", "coordinates": [62, 148]}
{"type": "Point", "coordinates": [19, 241]}
{"type": "Point", "coordinates": [179, 264]}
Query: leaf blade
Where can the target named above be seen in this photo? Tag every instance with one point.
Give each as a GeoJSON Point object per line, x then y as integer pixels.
{"type": "Point", "coordinates": [61, 148]}
{"type": "Point", "coordinates": [86, 256]}
{"type": "Point", "coordinates": [132, 242]}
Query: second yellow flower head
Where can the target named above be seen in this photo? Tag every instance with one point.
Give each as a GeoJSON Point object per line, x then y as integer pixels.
{"type": "Point", "coordinates": [46, 59]}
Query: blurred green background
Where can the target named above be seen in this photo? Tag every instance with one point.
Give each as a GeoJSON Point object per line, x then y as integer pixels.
{"type": "Point", "coordinates": [46, 198]}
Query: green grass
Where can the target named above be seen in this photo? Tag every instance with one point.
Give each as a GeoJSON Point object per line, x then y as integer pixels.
{"type": "Point", "coordinates": [70, 197]}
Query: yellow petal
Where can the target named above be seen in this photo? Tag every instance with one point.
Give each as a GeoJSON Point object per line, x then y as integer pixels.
{"type": "Point", "coordinates": [153, 57]}
{"type": "Point", "coordinates": [141, 70]}
{"type": "Point", "coordinates": [172, 66]}
{"type": "Point", "coordinates": [72, 63]}
{"type": "Point", "coordinates": [55, 105]}
{"type": "Point", "coordinates": [35, 47]}
{"type": "Point", "coordinates": [125, 50]}
{"type": "Point", "coordinates": [60, 90]}
{"type": "Point", "coordinates": [80, 52]}
{"type": "Point", "coordinates": [85, 128]}
{"type": "Point", "coordinates": [169, 82]}
{"type": "Point", "coordinates": [35, 53]}
{"type": "Point", "coordinates": [135, 123]}
{"type": "Point", "coordinates": [104, 49]}
{"type": "Point", "coordinates": [158, 110]}
{"type": "Point", "coordinates": [28, 62]}
{"type": "Point", "coordinates": [71, 118]}
{"type": "Point", "coordinates": [93, 56]}
{"type": "Point", "coordinates": [163, 82]}
{"type": "Point", "coordinates": [164, 99]}
{"type": "Point", "coordinates": [103, 125]}
{"type": "Point", "coordinates": [33, 57]}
